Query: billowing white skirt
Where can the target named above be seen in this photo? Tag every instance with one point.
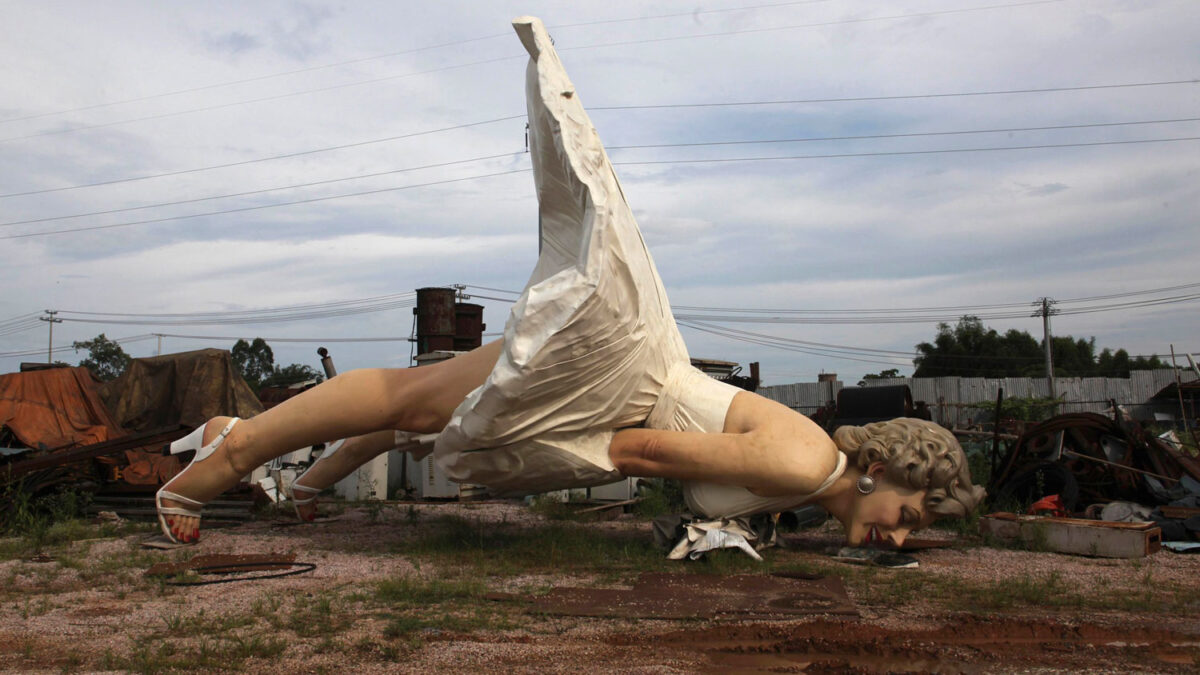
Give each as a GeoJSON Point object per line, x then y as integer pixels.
{"type": "Point", "coordinates": [591, 344]}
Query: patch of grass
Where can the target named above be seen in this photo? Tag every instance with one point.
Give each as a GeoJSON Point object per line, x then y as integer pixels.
{"type": "Point", "coordinates": [202, 624]}
{"type": "Point", "coordinates": [405, 626]}
{"type": "Point", "coordinates": [727, 561]}
{"type": "Point", "coordinates": [489, 548]}
{"type": "Point", "coordinates": [31, 608]}
{"type": "Point", "coordinates": [320, 615]}
{"type": "Point", "coordinates": [418, 606]}
{"type": "Point", "coordinates": [225, 652]}
{"type": "Point", "coordinates": [406, 591]}
{"type": "Point", "coordinates": [550, 507]}
{"type": "Point", "coordinates": [660, 497]}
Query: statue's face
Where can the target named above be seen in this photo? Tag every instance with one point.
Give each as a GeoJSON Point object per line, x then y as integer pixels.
{"type": "Point", "coordinates": [886, 516]}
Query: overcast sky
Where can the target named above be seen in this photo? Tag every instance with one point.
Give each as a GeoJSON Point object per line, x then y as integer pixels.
{"type": "Point", "coordinates": [296, 93]}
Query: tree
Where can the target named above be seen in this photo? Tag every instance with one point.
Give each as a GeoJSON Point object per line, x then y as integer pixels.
{"type": "Point", "coordinates": [889, 374]}
{"type": "Point", "coordinates": [970, 349]}
{"type": "Point", "coordinates": [254, 360]}
{"type": "Point", "coordinates": [106, 360]}
{"type": "Point", "coordinates": [291, 374]}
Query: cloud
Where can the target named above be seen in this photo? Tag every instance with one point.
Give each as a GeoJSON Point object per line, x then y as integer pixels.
{"type": "Point", "coordinates": [233, 43]}
{"type": "Point", "coordinates": [1042, 190]}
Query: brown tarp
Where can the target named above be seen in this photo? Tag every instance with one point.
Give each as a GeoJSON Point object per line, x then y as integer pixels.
{"type": "Point", "coordinates": [55, 408]}
{"type": "Point", "coordinates": [186, 388]}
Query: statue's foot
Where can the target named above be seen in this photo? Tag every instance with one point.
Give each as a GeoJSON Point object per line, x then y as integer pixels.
{"type": "Point", "coordinates": [304, 496]}
{"type": "Point", "coordinates": [180, 500]}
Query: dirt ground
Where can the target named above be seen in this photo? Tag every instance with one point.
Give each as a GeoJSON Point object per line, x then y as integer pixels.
{"type": "Point", "coordinates": [431, 587]}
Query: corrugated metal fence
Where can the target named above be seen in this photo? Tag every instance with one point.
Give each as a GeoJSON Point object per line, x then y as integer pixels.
{"type": "Point", "coordinates": [953, 400]}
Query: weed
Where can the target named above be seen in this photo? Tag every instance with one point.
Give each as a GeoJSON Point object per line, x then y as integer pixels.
{"type": "Point", "coordinates": [412, 515]}
{"type": "Point", "coordinates": [266, 605]}
{"type": "Point", "coordinates": [405, 591]}
{"type": "Point", "coordinates": [551, 507]}
{"type": "Point", "coordinates": [660, 497]}
{"type": "Point", "coordinates": [313, 617]}
{"type": "Point", "coordinates": [225, 652]}
{"type": "Point", "coordinates": [491, 548]}
{"type": "Point", "coordinates": [374, 509]}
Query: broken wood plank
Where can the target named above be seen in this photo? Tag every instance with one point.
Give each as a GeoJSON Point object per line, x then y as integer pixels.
{"type": "Point", "coordinates": [1075, 536]}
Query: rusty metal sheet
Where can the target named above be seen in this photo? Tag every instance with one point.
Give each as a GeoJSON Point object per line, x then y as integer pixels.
{"type": "Point", "coordinates": [702, 596]}
{"type": "Point", "coordinates": [60, 457]}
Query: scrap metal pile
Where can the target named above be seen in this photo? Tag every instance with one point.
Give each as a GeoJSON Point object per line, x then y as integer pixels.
{"type": "Point", "coordinates": [61, 429]}
{"type": "Point", "coordinates": [1089, 461]}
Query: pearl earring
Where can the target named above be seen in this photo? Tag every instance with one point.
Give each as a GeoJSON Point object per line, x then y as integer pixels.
{"type": "Point", "coordinates": [865, 485]}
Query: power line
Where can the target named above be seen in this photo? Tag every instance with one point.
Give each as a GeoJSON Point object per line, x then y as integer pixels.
{"type": "Point", "coordinates": [377, 57]}
{"type": "Point", "coordinates": [822, 24]}
{"type": "Point", "coordinates": [594, 108]}
{"type": "Point", "coordinates": [785, 347]}
{"type": "Point", "coordinates": [261, 191]}
{"type": "Point", "coordinates": [924, 318]}
{"type": "Point", "coordinates": [1046, 146]}
{"type": "Point", "coordinates": [1131, 293]}
{"type": "Point", "coordinates": [899, 97]}
{"type": "Point", "coordinates": [256, 319]}
{"type": "Point", "coordinates": [289, 155]}
{"type": "Point", "coordinates": [639, 163]}
{"type": "Point", "coordinates": [218, 106]}
{"type": "Point", "coordinates": [42, 350]}
{"type": "Point", "coordinates": [405, 338]}
{"type": "Point", "coordinates": [377, 80]}
{"type": "Point", "coordinates": [261, 206]}
{"type": "Point", "coordinates": [269, 310]}
{"type": "Point", "coordinates": [618, 147]}
{"type": "Point", "coordinates": [904, 135]}
{"type": "Point", "coordinates": [397, 299]}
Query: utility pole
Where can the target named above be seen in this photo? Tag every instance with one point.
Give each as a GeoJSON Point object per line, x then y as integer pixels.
{"type": "Point", "coordinates": [159, 351]}
{"type": "Point", "coordinates": [50, 320]}
{"type": "Point", "coordinates": [1045, 311]}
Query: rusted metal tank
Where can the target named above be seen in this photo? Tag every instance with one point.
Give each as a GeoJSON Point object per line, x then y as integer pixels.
{"type": "Point", "coordinates": [435, 319]}
{"type": "Point", "coordinates": [469, 326]}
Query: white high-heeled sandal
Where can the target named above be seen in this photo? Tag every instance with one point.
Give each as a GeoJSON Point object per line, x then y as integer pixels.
{"type": "Point", "coordinates": [329, 451]}
{"type": "Point", "coordinates": [193, 441]}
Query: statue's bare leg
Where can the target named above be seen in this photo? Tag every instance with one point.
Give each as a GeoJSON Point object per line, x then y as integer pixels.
{"type": "Point", "coordinates": [352, 454]}
{"type": "Point", "coordinates": [354, 403]}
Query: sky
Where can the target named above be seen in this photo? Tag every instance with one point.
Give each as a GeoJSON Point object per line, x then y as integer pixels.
{"type": "Point", "coordinates": [820, 182]}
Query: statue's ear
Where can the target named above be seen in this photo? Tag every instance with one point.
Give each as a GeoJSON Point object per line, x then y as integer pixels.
{"type": "Point", "coordinates": [876, 470]}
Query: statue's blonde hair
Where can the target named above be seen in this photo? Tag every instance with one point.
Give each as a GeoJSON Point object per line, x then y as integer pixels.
{"type": "Point", "coordinates": [917, 454]}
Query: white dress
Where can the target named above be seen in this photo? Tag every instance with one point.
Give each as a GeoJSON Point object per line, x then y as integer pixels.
{"type": "Point", "coordinates": [591, 346]}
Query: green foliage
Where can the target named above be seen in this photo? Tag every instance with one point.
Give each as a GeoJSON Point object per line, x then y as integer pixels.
{"type": "Point", "coordinates": [549, 506]}
{"type": "Point", "coordinates": [970, 349]}
{"type": "Point", "coordinates": [254, 360]}
{"type": "Point", "coordinates": [44, 519]}
{"type": "Point", "coordinates": [660, 497]}
{"type": "Point", "coordinates": [291, 374]}
{"type": "Point", "coordinates": [106, 360]}
{"type": "Point", "coordinates": [499, 548]}
{"type": "Point", "coordinates": [889, 374]}
{"type": "Point", "coordinates": [1030, 409]}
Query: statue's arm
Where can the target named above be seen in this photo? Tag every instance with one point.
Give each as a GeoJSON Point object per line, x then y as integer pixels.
{"type": "Point", "coordinates": [761, 460]}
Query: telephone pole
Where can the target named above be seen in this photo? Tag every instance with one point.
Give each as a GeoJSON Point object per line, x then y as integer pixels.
{"type": "Point", "coordinates": [1044, 311]}
{"type": "Point", "coordinates": [50, 320]}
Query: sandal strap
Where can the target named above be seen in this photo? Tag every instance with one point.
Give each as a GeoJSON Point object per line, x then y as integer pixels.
{"type": "Point", "coordinates": [204, 452]}
{"type": "Point", "coordinates": [180, 498]}
{"type": "Point", "coordinates": [172, 511]}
